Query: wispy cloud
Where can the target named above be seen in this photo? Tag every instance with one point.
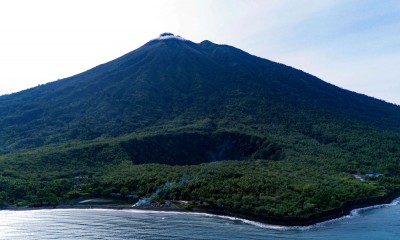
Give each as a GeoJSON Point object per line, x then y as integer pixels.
{"type": "Point", "coordinates": [353, 44]}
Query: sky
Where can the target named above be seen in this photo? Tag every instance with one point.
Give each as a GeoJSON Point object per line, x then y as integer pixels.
{"type": "Point", "coordinates": [353, 44]}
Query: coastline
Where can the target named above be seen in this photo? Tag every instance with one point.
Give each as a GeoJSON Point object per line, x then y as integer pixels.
{"type": "Point", "coordinates": [345, 210]}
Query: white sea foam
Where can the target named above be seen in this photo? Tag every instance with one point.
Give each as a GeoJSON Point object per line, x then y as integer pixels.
{"type": "Point", "coordinates": [258, 224]}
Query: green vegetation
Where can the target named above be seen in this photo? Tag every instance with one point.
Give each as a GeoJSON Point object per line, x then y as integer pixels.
{"type": "Point", "coordinates": [199, 122]}
{"type": "Point", "coordinates": [298, 183]}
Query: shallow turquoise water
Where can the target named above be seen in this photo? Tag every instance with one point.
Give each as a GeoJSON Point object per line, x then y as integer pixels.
{"type": "Point", "coordinates": [373, 223]}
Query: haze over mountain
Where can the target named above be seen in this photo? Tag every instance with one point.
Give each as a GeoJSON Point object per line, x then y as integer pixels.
{"type": "Point", "coordinates": [175, 119]}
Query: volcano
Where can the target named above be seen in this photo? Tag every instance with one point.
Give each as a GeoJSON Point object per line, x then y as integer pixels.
{"type": "Point", "coordinates": [171, 82]}
{"type": "Point", "coordinates": [253, 137]}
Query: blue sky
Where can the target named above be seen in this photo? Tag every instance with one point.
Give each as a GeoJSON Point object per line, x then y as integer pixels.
{"type": "Point", "coordinates": [354, 44]}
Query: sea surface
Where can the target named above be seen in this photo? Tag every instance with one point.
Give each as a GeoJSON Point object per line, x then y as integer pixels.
{"type": "Point", "coordinates": [380, 222]}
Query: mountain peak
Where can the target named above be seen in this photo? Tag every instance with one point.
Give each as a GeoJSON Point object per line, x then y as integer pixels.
{"type": "Point", "coordinates": [168, 36]}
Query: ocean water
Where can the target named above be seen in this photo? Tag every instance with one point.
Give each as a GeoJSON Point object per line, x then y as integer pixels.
{"type": "Point", "coordinates": [380, 222]}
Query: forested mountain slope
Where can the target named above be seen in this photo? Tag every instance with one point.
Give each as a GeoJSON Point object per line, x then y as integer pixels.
{"type": "Point", "coordinates": [180, 83]}
{"type": "Point", "coordinates": [260, 137]}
